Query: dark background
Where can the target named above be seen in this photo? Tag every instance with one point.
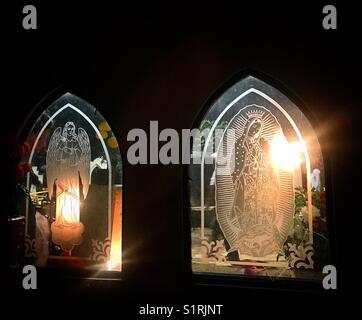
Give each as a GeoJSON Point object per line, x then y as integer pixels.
{"type": "Point", "coordinates": [137, 64]}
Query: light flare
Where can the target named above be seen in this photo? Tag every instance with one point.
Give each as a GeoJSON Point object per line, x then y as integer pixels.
{"type": "Point", "coordinates": [287, 156]}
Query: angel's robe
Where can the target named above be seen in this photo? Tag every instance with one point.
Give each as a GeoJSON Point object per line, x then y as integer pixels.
{"type": "Point", "coordinates": [67, 184]}
{"type": "Point", "coordinates": [68, 160]}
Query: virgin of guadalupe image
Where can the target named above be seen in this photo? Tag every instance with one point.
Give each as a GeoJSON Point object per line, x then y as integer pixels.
{"type": "Point", "coordinates": [68, 169]}
{"type": "Point", "coordinates": [256, 222]}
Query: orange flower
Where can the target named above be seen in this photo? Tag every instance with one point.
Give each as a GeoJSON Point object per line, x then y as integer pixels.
{"type": "Point", "coordinates": [112, 142]}
{"type": "Point", "coordinates": [104, 126]}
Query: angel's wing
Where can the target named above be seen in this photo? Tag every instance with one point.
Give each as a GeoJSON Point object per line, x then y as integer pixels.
{"type": "Point", "coordinates": [52, 167]}
{"type": "Point", "coordinates": [85, 159]}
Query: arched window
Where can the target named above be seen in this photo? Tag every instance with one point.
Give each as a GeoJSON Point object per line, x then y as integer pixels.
{"type": "Point", "coordinates": [257, 187]}
{"type": "Point", "coordinates": [74, 208]}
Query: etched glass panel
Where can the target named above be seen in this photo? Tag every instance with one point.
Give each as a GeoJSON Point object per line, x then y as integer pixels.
{"type": "Point", "coordinates": [257, 191]}
{"type": "Point", "coordinates": [74, 209]}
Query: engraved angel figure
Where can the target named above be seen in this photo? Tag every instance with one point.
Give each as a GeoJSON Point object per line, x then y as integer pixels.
{"type": "Point", "coordinates": [68, 170]}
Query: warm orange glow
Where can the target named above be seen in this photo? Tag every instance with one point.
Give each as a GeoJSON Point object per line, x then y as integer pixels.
{"type": "Point", "coordinates": [68, 210]}
{"type": "Point", "coordinates": [115, 261]}
{"type": "Point", "coordinates": [67, 229]}
{"type": "Point", "coordinates": [284, 154]}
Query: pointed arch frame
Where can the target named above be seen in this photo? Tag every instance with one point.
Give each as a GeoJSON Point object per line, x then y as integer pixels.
{"type": "Point", "coordinates": [59, 111]}
{"type": "Point", "coordinates": [314, 120]}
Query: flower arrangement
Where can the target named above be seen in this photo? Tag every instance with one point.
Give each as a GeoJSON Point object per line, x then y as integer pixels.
{"type": "Point", "coordinates": [12, 219]}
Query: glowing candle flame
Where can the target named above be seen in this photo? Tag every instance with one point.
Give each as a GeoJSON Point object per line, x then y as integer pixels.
{"type": "Point", "coordinates": [67, 229]}
{"type": "Point", "coordinates": [68, 208]}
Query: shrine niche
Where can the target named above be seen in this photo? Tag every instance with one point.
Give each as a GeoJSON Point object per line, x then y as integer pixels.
{"type": "Point", "coordinates": [257, 191]}
{"type": "Point", "coordinates": [74, 209]}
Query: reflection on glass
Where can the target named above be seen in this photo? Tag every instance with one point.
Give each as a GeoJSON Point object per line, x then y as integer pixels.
{"type": "Point", "coordinates": [75, 207]}
{"type": "Point", "coordinates": [258, 207]}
